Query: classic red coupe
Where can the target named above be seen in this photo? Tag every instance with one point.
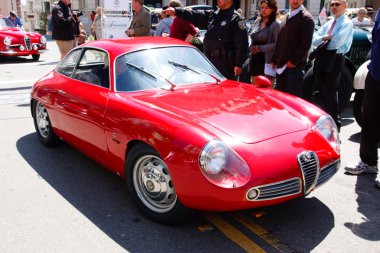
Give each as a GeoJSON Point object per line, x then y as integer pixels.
{"type": "Point", "coordinates": [156, 112]}
{"type": "Point", "coordinates": [16, 42]}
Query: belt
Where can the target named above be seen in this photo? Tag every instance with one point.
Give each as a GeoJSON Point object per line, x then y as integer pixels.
{"type": "Point", "coordinates": [217, 53]}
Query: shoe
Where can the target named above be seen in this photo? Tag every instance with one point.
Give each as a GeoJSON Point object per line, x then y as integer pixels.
{"type": "Point", "coordinates": [377, 182]}
{"type": "Point", "coordinates": [360, 168]}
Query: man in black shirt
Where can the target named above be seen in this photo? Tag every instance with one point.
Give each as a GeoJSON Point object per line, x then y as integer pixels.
{"type": "Point", "coordinates": [226, 40]}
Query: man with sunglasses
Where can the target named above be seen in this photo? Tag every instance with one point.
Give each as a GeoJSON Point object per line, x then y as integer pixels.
{"type": "Point", "coordinates": [338, 33]}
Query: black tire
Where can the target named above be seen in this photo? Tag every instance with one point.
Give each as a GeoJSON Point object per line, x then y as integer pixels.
{"type": "Point", "coordinates": [310, 88]}
{"type": "Point", "coordinates": [156, 199]}
{"type": "Point", "coordinates": [36, 57]}
{"type": "Point", "coordinates": [43, 125]}
{"type": "Point", "coordinates": [357, 106]}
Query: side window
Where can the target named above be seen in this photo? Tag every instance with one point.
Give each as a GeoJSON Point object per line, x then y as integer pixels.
{"type": "Point", "coordinates": [67, 65]}
{"type": "Point", "coordinates": [93, 68]}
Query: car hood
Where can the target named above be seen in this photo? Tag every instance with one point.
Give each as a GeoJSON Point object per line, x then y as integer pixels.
{"type": "Point", "coordinates": [241, 111]}
{"type": "Point", "coordinates": [17, 33]}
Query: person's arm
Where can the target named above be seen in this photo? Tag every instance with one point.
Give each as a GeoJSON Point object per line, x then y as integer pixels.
{"type": "Point", "coordinates": [305, 41]}
{"type": "Point", "coordinates": [60, 18]}
{"type": "Point", "coordinates": [197, 18]}
{"type": "Point", "coordinates": [240, 40]}
{"type": "Point", "coordinates": [144, 25]}
{"type": "Point", "coordinates": [273, 34]}
{"type": "Point", "coordinates": [160, 28]}
{"type": "Point", "coordinates": [342, 37]}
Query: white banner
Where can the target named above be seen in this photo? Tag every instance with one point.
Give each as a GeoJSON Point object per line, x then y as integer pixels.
{"type": "Point", "coordinates": [114, 27]}
{"type": "Point", "coordinates": [116, 5]}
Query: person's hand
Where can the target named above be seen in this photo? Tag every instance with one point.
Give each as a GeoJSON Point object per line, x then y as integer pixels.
{"type": "Point", "coordinates": [237, 70]}
{"type": "Point", "coordinates": [169, 11]}
{"type": "Point", "coordinates": [130, 32]}
{"type": "Point", "coordinates": [290, 65]}
{"type": "Point", "coordinates": [327, 37]}
{"type": "Point", "coordinates": [254, 49]}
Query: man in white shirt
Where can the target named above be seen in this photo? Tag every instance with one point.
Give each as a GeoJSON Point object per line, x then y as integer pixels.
{"type": "Point", "coordinates": [361, 19]}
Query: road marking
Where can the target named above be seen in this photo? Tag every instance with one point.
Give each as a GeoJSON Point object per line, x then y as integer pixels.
{"type": "Point", "coordinates": [18, 81]}
{"type": "Point", "coordinates": [261, 232]}
{"type": "Point", "coordinates": [15, 99]}
{"type": "Point", "coordinates": [233, 234]}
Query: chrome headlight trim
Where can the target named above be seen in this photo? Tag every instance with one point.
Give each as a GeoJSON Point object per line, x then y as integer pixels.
{"type": "Point", "coordinates": [328, 129]}
{"type": "Point", "coordinates": [7, 41]}
{"type": "Point", "coordinates": [222, 166]}
{"type": "Point", "coordinates": [43, 40]}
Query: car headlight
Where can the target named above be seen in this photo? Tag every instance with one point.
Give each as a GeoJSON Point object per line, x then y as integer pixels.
{"type": "Point", "coordinates": [7, 41]}
{"type": "Point", "coordinates": [328, 129]}
{"type": "Point", "coordinates": [222, 166]}
{"type": "Point", "coordinates": [43, 40]}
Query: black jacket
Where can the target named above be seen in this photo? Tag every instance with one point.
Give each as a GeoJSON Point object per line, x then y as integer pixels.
{"type": "Point", "coordinates": [294, 39]}
{"type": "Point", "coordinates": [62, 22]}
{"type": "Point", "coordinates": [225, 31]}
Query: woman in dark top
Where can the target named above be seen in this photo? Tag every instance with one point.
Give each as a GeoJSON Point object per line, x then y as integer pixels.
{"type": "Point", "coordinates": [264, 37]}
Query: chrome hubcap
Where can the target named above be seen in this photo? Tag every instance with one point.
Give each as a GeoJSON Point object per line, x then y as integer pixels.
{"type": "Point", "coordinates": [42, 120]}
{"type": "Point", "coordinates": [153, 184]}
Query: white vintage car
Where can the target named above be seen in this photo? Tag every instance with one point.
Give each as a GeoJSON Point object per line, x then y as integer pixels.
{"type": "Point", "coordinates": [359, 83]}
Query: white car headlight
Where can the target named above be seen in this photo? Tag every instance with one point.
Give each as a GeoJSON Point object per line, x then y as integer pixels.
{"type": "Point", "coordinates": [328, 129]}
{"type": "Point", "coordinates": [222, 166]}
{"type": "Point", "coordinates": [7, 41]}
{"type": "Point", "coordinates": [43, 40]}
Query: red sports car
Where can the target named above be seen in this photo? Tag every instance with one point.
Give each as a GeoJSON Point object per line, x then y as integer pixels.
{"type": "Point", "coordinates": [16, 42]}
{"type": "Point", "coordinates": [156, 112]}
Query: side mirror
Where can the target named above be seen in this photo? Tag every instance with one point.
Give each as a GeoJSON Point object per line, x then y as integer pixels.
{"type": "Point", "coordinates": [263, 82]}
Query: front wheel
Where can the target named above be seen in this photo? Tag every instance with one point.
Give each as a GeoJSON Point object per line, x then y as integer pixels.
{"type": "Point", "coordinates": [43, 125]}
{"type": "Point", "coordinates": [151, 187]}
{"type": "Point", "coordinates": [36, 57]}
{"type": "Point", "coordinates": [357, 106]}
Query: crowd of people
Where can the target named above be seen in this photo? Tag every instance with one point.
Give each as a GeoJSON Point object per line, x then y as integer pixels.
{"type": "Point", "coordinates": [279, 49]}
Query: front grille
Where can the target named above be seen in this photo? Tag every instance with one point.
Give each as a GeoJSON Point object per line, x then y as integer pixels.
{"type": "Point", "coordinates": [309, 164]}
{"type": "Point", "coordinates": [327, 172]}
{"type": "Point", "coordinates": [279, 189]}
{"type": "Point", "coordinates": [28, 45]}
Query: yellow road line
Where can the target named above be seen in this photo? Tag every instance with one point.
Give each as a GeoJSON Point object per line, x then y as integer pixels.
{"type": "Point", "coordinates": [232, 233]}
{"type": "Point", "coordinates": [261, 232]}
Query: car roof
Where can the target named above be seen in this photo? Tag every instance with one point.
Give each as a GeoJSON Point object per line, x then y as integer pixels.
{"type": "Point", "coordinates": [120, 46]}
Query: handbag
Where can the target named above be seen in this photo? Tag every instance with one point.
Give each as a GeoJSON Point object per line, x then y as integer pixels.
{"type": "Point", "coordinates": [319, 50]}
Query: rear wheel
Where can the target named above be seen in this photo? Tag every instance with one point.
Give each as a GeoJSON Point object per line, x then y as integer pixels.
{"type": "Point", "coordinates": [358, 106]}
{"type": "Point", "coordinates": [43, 125]}
{"type": "Point", "coordinates": [151, 187]}
{"type": "Point", "coordinates": [310, 88]}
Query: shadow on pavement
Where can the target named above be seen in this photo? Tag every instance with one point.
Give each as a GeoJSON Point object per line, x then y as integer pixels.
{"type": "Point", "coordinates": [302, 224]}
{"type": "Point", "coordinates": [103, 199]}
{"type": "Point", "coordinates": [368, 205]}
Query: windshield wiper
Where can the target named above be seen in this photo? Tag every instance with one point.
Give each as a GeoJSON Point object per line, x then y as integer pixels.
{"type": "Point", "coordinates": [196, 70]}
{"type": "Point", "coordinates": [151, 74]}
{"type": "Point", "coordinates": [142, 70]}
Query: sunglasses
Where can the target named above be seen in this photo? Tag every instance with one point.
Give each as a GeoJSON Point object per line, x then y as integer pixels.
{"type": "Point", "coordinates": [336, 4]}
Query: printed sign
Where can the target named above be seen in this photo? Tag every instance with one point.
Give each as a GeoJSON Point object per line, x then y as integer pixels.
{"type": "Point", "coordinates": [116, 5]}
{"type": "Point", "coordinates": [114, 27]}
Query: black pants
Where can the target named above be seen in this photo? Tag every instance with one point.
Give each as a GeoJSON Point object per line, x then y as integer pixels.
{"type": "Point", "coordinates": [328, 79]}
{"type": "Point", "coordinates": [290, 80]}
{"type": "Point", "coordinates": [224, 65]}
{"type": "Point", "coordinates": [370, 134]}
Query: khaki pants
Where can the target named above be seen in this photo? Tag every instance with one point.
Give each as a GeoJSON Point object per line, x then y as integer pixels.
{"type": "Point", "coordinates": [65, 46]}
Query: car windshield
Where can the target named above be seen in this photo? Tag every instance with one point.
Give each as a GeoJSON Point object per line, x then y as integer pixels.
{"type": "Point", "coordinates": [163, 68]}
{"type": "Point", "coordinates": [5, 23]}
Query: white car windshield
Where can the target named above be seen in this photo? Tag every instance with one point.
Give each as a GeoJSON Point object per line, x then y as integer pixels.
{"type": "Point", "coordinates": [163, 68]}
